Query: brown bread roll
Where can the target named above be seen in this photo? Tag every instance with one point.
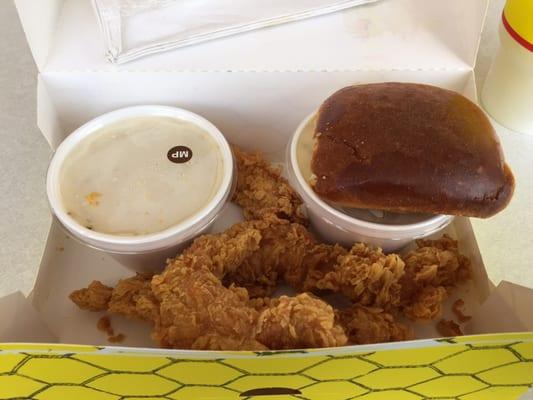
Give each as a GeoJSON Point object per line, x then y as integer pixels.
{"type": "Point", "coordinates": [409, 148]}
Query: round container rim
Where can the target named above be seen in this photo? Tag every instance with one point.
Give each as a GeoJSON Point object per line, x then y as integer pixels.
{"type": "Point", "coordinates": [153, 241]}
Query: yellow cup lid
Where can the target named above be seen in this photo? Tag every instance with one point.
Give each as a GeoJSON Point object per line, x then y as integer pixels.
{"type": "Point", "coordinates": [517, 19]}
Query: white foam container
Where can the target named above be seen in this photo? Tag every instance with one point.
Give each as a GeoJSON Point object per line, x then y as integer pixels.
{"type": "Point", "coordinates": [337, 227]}
{"type": "Point", "coordinates": [141, 252]}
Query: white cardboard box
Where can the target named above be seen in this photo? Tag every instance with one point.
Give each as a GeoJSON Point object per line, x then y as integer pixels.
{"type": "Point", "coordinates": [256, 87]}
{"type": "Point", "coordinates": [257, 84]}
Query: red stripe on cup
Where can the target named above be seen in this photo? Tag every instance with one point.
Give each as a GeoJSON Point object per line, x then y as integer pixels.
{"type": "Point", "coordinates": [515, 35]}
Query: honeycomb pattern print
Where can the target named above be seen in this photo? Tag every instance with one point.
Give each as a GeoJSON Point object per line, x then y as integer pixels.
{"type": "Point", "coordinates": [469, 368]}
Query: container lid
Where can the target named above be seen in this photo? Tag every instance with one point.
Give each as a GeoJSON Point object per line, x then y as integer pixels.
{"type": "Point", "coordinates": [402, 34]}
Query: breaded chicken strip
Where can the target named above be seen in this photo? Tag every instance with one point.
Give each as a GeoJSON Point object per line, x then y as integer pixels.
{"type": "Point", "coordinates": [299, 322]}
{"type": "Point", "coordinates": [131, 297]}
{"type": "Point", "coordinates": [431, 271]}
{"type": "Point", "coordinates": [195, 306]}
{"type": "Point", "coordinates": [283, 246]}
{"type": "Point", "coordinates": [261, 190]}
{"type": "Point", "coordinates": [366, 276]}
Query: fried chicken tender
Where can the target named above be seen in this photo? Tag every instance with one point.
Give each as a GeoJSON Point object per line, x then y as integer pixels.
{"type": "Point", "coordinates": [133, 298]}
{"type": "Point", "coordinates": [317, 261]}
{"type": "Point", "coordinates": [365, 325]}
{"type": "Point", "coordinates": [431, 271]}
{"type": "Point", "coordinates": [426, 304]}
{"type": "Point", "coordinates": [197, 310]}
{"type": "Point", "coordinates": [299, 322]}
{"type": "Point", "coordinates": [366, 276]}
{"type": "Point", "coordinates": [224, 252]}
{"type": "Point", "coordinates": [283, 246]}
{"type": "Point", "coordinates": [437, 263]}
{"type": "Point", "coordinates": [261, 190]}
{"type": "Point", "coordinates": [286, 251]}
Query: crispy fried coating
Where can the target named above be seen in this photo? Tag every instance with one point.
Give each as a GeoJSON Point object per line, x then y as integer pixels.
{"type": "Point", "coordinates": [283, 246]}
{"type": "Point", "coordinates": [426, 303]}
{"type": "Point", "coordinates": [431, 271]}
{"type": "Point", "coordinates": [133, 298]}
{"type": "Point", "coordinates": [104, 325]}
{"type": "Point", "coordinates": [261, 303]}
{"type": "Point", "coordinates": [194, 303]}
{"type": "Point", "coordinates": [366, 276]}
{"type": "Point", "coordinates": [436, 263]}
{"type": "Point", "coordinates": [261, 190]}
{"type": "Point", "coordinates": [191, 308]}
{"type": "Point", "coordinates": [365, 325]}
{"type": "Point", "coordinates": [299, 322]}
{"type": "Point", "coordinates": [94, 297]}
{"type": "Point", "coordinates": [224, 252]}
{"type": "Point", "coordinates": [318, 259]}
{"type": "Point", "coordinates": [221, 343]}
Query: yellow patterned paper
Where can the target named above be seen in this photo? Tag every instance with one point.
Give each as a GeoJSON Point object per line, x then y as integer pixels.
{"type": "Point", "coordinates": [468, 368]}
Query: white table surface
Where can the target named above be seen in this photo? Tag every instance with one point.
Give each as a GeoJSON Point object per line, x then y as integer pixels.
{"type": "Point", "coordinates": [506, 240]}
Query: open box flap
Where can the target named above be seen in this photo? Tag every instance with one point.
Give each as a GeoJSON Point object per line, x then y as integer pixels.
{"type": "Point", "coordinates": [399, 34]}
{"type": "Point", "coordinates": [507, 309]}
{"type": "Point", "coordinates": [224, 98]}
{"type": "Point", "coordinates": [24, 322]}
